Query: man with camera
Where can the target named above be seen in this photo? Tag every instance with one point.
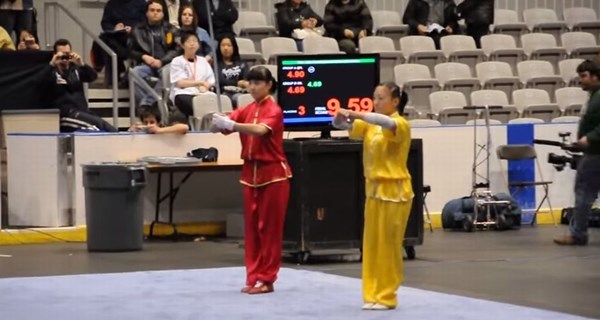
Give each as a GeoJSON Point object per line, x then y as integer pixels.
{"type": "Point", "coordinates": [587, 181]}
{"type": "Point", "coordinates": [63, 81]}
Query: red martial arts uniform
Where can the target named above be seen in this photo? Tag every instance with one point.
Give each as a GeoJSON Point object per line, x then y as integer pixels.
{"type": "Point", "coordinates": [265, 177]}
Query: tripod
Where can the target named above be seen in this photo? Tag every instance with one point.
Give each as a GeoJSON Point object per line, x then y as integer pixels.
{"type": "Point", "coordinates": [480, 192]}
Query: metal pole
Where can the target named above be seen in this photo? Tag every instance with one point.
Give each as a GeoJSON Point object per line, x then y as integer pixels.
{"type": "Point", "coordinates": [215, 64]}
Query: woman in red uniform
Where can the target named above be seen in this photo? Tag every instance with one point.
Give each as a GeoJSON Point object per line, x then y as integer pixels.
{"type": "Point", "coordinates": [265, 175]}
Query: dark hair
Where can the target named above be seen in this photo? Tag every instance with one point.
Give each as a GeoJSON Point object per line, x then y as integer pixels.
{"type": "Point", "coordinates": [260, 73]}
{"type": "Point", "coordinates": [151, 2]}
{"type": "Point", "coordinates": [61, 42]}
{"type": "Point", "coordinates": [194, 17]}
{"type": "Point", "coordinates": [149, 111]}
{"type": "Point", "coordinates": [398, 93]}
{"type": "Point", "coordinates": [236, 50]}
{"type": "Point", "coordinates": [590, 66]}
{"type": "Point", "coordinates": [186, 34]}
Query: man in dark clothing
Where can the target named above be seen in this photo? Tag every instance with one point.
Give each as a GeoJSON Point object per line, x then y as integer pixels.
{"type": "Point", "coordinates": [152, 46]}
{"type": "Point", "coordinates": [63, 82]}
{"type": "Point", "coordinates": [587, 181]}
{"type": "Point", "coordinates": [296, 14]}
{"type": "Point", "coordinates": [347, 21]}
{"type": "Point", "coordinates": [423, 16]}
{"type": "Point", "coordinates": [223, 12]}
{"type": "Point", "coordinates": [118, 19]}
{"type": "Point", "coordinates": [478, 15]}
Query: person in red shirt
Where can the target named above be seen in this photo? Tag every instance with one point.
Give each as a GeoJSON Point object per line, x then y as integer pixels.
{"type": "Point", "coordinates": [265, 179]}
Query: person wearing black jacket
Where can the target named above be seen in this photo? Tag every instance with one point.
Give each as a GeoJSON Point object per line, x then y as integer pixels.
{"type": "Point", "coordinates": [478, 15]}
{"type": "Point", "coordinates": [62, 82]}
{"type": "Point", "coordinates": [152, 46]}
{"type": "Point", "coordinates": [347, 21]}
{"type": "Point", "coordinates": [421, 14]}
{"type": "Point", "coordinates": [587, 180]}
{"type": "Point", "coordinates": [223, 12]}
{"type": "Point", "coordinates": [295, 14]}
{"type": "Point", "coordinates": [118, 19]}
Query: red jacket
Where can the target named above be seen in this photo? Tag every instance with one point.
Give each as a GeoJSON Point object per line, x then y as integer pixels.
{"type": "Point", "coordinates": [264, 159]}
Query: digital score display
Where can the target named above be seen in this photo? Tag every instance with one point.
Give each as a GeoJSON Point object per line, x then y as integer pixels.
{"type": "Point", "coordinates": [313, 87]}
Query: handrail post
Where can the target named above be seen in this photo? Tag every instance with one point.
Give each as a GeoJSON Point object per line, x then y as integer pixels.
{"type": "Point", "coordinates": [134, 79]}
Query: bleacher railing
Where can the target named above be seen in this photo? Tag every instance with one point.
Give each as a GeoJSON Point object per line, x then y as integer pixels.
{"type": "Point", "coordinates": [134, 79]}
{"type": "Point", "coordinates": [56, 6]}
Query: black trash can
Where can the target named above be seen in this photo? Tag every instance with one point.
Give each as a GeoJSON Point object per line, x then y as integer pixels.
{"type": "Point", "coordinates": [114, 208]}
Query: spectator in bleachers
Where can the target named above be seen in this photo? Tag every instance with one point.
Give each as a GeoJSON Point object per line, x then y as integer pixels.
{"type": "Point", "coordinates": [297, 20]}
{"type": "Point", "coordinates": [433, 18]}
{"type": "Point", "coordinates": [347, 21]}
{"type": "Point", "coordinates": [188, 21]}
{"type": "Point", "coordinates": [231, 70]}
{"type": "Point", "coordinates": [478, 15]}
{"type": "Point", "coordinates": [16, 15]}
{"type": "Point", "coordinates": [190, 74]}
{"type": "Point", "coordinates": [150, 121]}
{"type": "Point", "coordinates": [152, 46]}
{"type": "Point", "coordinates": [118, 19]}
{"type": "Point", "coordinates": [172, 11]}
{"type": "Point", "coordinates": [223, 12]}
{"type": "Point", "coordinates": [27, 41]}
{"type": "Point", "coordinates": [6, 42]}
{"type": "Point", "coordinates": [63, 82]}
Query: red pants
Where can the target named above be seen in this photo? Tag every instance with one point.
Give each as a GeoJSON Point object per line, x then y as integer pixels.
{"type": "Point", "coordinates": [264, 215]}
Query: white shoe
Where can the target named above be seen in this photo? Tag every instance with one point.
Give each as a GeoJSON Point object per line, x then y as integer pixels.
{"type": "Point", "coordinates": [368, 306]}
{"type": "Point", "coordinates": [378, 306]}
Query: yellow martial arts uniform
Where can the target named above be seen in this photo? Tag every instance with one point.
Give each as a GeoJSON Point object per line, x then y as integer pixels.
{"type": "Point", "coordinates": [388, 202]}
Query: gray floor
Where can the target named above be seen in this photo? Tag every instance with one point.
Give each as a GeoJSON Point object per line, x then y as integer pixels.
{"type": "Point", "coordinates": [520, 267]}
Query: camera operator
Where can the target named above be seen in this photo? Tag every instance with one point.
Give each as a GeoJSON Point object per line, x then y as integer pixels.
{"type": "Point", "coordinates": [587, 181]}
{"type": "Point", "coordinates": [63, 81]}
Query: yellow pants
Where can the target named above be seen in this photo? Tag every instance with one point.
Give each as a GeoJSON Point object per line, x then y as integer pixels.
{"type": "Point", "coordinates": [383, 251]}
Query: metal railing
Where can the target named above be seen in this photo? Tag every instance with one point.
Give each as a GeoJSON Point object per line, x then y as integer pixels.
{"type": "Point", "coordinates": [134, 79]}
{"type": "Point", "coordinates": [88, 32]}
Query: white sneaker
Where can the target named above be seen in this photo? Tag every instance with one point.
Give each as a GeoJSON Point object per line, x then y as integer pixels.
{"type": "Point", "coordinates": [368, 306]}
{"type": "Point", "coordinates": [378, 306]}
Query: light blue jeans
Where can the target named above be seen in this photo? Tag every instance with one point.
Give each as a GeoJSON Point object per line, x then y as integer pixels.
{"type": "Point", "coordinates": [145, 72]}
{"type": "Point", "coordinates": [587, 186]}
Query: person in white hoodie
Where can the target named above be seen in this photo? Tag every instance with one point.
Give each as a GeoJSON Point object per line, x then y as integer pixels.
{"type": "Point", "coordinates": [190, 74]}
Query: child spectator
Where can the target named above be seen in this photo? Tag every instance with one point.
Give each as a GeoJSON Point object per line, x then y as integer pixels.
{"type": "Point", "coordinates": [150, 121]}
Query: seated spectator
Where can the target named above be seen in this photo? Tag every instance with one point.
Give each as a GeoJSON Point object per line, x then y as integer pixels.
{"type": "Point", "coordinates": [188, 20]}
{"type": "Point", "coordinates": [152, 46]}
{"type": "Point", "coordinates": [172, 11]}
{"type": "Point", "coordinates": [6, 42]}
{"type": "Point", "coordinates": [223, 13]}
{"type": "Point", "coordinates": [347, 21]}
{"type": "Point", "coordinates": [150, 118]}
{"type": "Point", "coordinates": [118, 19]}
{"type": "Point", "coordinates": [16, 15]}
{"type": "Point", "coordinates": [27, 41]}
{"type": "Point", "coordinates": [63, 82]}
{"type": "Point", "coordinates": [478, 15]}
{"type": "Point", "coordinates": [231, 70]}
{"type": "Point", "coordinates": [190, 74]}
{"type": "Point", "coordinates": [296, 19]}
{"type": "Point", "coordinates": [434, 18]}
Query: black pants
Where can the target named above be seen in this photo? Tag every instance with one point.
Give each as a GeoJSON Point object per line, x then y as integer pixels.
{"type": "Point", "coordinates": [75, 120]}
{"type": "Point", "coordinates": [477, 31]}
{"type": "Point", "coordinates": [185, 104]}
{"type": "Point", "coordinates": [118, 43]}
{"type": "Point", "coordinates": [437, 36]}
{"type": "Point", "coordinates": [16, 20]}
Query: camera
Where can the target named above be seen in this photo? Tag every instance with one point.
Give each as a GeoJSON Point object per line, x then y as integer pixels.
{"type": "Point", "coordinates": [573, 152]}
{"type": "Point", "coordinates": [66, 56]}
{"type": "Point", "coordinates": [29, 42]}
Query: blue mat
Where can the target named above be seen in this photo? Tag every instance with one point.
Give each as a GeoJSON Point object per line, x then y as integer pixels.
{"type": "Point", "coordinates": [214, 294]}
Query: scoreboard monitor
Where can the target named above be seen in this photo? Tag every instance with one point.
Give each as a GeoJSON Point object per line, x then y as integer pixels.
{"type": "Point", "coordinates": [312, 87]}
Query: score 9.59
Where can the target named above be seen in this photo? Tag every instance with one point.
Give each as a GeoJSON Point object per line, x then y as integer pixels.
{"type": "Point", "coordinates": [354, 104]}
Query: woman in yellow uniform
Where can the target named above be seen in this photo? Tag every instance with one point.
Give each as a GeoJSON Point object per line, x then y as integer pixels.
{"type": "Point", "coordinates": [386, 136]}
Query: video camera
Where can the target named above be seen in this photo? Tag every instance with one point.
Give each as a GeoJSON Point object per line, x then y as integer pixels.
{"type": "Point", "coordinates": [574, 152]}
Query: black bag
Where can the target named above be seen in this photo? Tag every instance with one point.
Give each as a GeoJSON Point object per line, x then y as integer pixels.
{"type": "Point", "coordinates": [207, 155]}
{"type": "Point", "coordinates": [593, 222]}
